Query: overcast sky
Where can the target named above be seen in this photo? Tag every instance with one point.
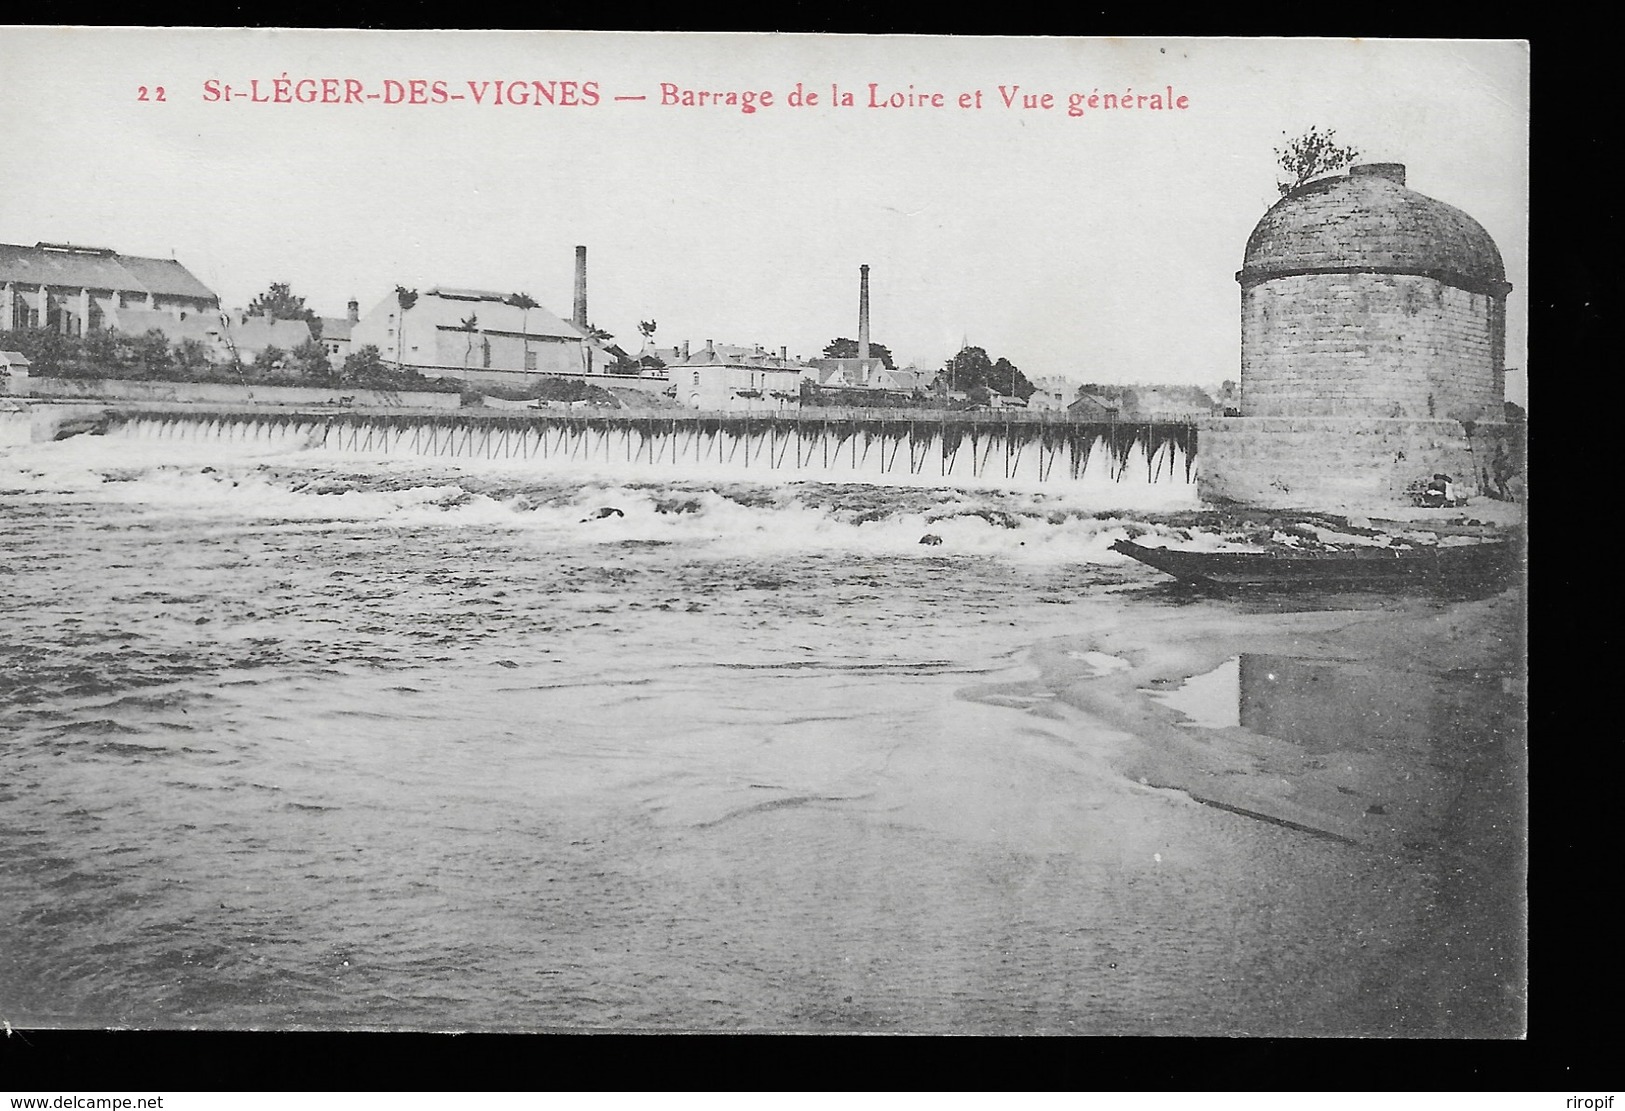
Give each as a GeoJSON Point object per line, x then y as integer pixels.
{"type": "Point", "coordinates": [1102, 247]}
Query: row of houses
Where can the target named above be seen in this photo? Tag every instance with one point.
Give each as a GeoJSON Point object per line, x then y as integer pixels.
{"type": "Point", "coordinates": [483, 337]}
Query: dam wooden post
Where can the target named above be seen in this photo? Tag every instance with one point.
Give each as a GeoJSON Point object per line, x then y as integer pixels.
{"type": "Point", "coordinates": [748, 440]}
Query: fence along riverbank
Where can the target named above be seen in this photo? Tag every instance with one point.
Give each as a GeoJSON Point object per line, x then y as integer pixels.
{"type": "Point", "coordinates": [903, 444]}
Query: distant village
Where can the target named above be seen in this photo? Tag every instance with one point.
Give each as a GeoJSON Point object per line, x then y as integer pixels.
{"type": "Point", "coordinates": [74, 311]}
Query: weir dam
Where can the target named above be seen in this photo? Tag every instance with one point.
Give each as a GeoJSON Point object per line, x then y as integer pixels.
{"type": "Point", "coordinates": [823, 444]}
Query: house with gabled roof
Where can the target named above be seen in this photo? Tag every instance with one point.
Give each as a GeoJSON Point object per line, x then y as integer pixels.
{"type": "Point", "coordinates": [72, 289]}
{"type": "Point", "coordinates": [207, 328]}
{"type": "Point", "coordinates": [14, 372]}
{"type": "Point", "coordinates": [720, 377]}
{"type": "Point", "coordinates": [1090, 406]}
{"type": "Point", "coordinates": [250, 336]}
{"type": "Point", "coordinates": [335, 339]}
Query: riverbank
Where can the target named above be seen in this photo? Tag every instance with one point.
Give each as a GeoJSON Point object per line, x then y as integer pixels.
{"type": "Point", "coordinates": [1393, 726]}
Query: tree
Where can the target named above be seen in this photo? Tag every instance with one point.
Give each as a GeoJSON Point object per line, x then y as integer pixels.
{"type": "Point", "coordinates": [99, 354]}
{"type": "Point", "coordinates": [192, 356]}
{"type": "Point", "coordinates": [279, 303]}
{"type": "Point", "coordinates": [1007, 378]}
{"type": "Point", "coordinates": [270, 361]}
{"type": "Point", "coordinates": [970, 367]}
{"type": "Point", "coordinates": [843, 348]}
{"type": "Point", "coordinates": [406, 298]}
{"type": "Point", "coordinates": [150, 356]}
{"type": "Point", "coordinates": [469, 325]}
{"type": "Point", "coordinates": [1310, 155]}
{"type": "Point", "coordinates": [646, 329]}
{"type": "Point", "coordinates": [524, 302]}
{"type": "Point", "coordinates": [52, 353]}
{"type": "Point", "coordinates": [364, 366]}
{"type": "Point", "coordinates": [309, 360]}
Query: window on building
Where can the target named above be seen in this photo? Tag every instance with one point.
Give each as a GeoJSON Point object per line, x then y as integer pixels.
{"type": "Point", "coordinates": [485, 351]}
{"type": "Point", "coordinates": [530, 360]}
{"type": "Point", "coordinates": [696, 378]}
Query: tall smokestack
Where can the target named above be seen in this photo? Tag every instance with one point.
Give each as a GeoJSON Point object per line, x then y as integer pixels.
{"type": "Point", "coordinates": [581, 288]}
{"type": "Point", "coordinates": [863, 311]}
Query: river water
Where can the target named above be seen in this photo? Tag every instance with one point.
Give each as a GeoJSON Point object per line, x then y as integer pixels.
{"type": "Point", "coordinates": [295, 740]}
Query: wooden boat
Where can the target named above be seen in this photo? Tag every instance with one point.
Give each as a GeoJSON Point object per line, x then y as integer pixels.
{"type": "Point", "coordinates": [1463, 565]}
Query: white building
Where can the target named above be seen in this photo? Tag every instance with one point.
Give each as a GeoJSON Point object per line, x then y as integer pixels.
{"type": "Point", "coordinates": [336, 334]}
{"type": "Point", "coordinates": [478, 336]}
{"type": "Point", "coordinates": [13, 372]}
{"type": "Point", "coordinates": [736, 379]}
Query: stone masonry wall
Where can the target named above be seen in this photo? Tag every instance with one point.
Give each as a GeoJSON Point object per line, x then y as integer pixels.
{"type": "Point", "coordinates": [1355, 464]}
{"type": "Point", "coordinates": [1369, 345]}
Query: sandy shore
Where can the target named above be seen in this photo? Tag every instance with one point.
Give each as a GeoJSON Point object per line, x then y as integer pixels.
{"type": "Point", "coordinates": [1414, 754]}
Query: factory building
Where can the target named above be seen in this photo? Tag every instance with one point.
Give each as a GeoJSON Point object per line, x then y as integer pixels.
{"type": "Point", "coordinates": [72, 290]}
{"type": "Point", "coordinates": [864, 370]}
{"type": "Point", "coordinates": [483, 338]}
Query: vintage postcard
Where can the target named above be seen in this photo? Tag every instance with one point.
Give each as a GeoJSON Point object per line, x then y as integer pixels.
{"type": "Point", "coordinates": [539, 531]}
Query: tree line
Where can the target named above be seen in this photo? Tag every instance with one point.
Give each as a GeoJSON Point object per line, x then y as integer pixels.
{"type": "Point", "coordinates": [153, 357]}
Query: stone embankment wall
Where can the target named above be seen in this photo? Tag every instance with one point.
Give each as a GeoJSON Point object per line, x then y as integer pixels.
{"type": "Point", "coordinates": [1355, 464]}
{"type": "Point", "coordinates": [113, 389]}
{"type": "Point", "coordinates": [1370, 345]}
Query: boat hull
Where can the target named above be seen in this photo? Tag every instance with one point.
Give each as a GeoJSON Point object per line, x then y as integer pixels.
{"type": "Point", "coordinates": [1374, 568]}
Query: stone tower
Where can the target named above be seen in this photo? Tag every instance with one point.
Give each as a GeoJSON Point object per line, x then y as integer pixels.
{"type": "Point", "coordinates": [1362, 298]}
{"type": "Point", "coordinates": [1373, 343]}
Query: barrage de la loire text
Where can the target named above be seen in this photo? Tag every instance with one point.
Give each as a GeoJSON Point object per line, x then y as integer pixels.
{"type": "Point", "coordinates": [554, 93]}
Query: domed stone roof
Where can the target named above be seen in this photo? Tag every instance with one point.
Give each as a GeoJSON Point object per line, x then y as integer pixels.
{"type": "Point", "coordinates": [1368, 222]}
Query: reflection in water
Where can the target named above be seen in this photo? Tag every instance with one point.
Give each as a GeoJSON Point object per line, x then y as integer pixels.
{"type": "Point", "coordinates": [1327, 705]}
{"type": "Point", "coordinates": [1209, 700]}
{"type": "Point", "coordinates": [1324, 705]}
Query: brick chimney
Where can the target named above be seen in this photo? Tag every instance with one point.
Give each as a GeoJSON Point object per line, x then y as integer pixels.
{"type": "Point", "coordinates": [1392, 171]}
{"type": "Point", "coordinates": [863, 311]}
{"type": "Point", "coordinates": [355, 311]}
{"type": "Point", "coordinates": [580, 318]}
{"type": "Point", "coordinates": [685, 351]}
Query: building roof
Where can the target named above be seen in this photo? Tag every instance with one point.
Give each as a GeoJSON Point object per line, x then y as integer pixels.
{"type": "Point", "coordinates": [1367, 221]}
{"type": "Point", "coordinates": [256, 333]}
{"type": "Point", "coordinates": [98, 268]}
{"type": "Point", "coordinates": [910, 379]}
{"type": "Point", "coordinates": [448, 308]}
{"type": "Point", "coordinates": [720, 354]}
{"type": "Point", "coordinates": [14, 358]}
{"type": "Point", "coordinates": [206, 327]}
{"type": "Point", "coordinates": [336, 327]}
{"type": "Point", "coordinates": [466, 294]}
{"type": "Point", "coordinates": [1088, 403]}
